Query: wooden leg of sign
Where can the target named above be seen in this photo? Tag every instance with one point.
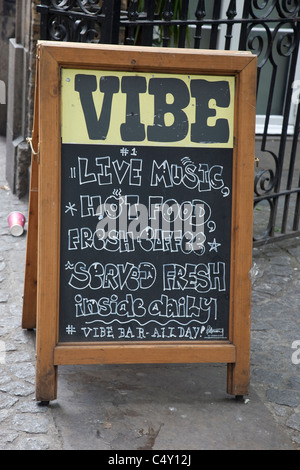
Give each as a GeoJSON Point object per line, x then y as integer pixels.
{"type": "Point", "coordinates": [238, 379]}
{"type": "Point", "coordinates": [46, 371]}
{"type": "Point", "coordinates": [242, 217]}
{"type": "Point", "coordinates": [238, 373]}
{"type": "Point", "coordinates": [46, 386]}
{"type": "Point", "coordinates": [30, 281]}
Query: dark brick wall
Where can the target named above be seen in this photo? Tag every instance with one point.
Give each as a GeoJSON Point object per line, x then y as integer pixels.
{"type": "Point", "coordinates": [7, 31]}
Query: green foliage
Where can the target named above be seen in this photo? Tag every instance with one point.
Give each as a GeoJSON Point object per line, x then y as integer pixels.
{"type": "Point", "coordinates": [173, 31]}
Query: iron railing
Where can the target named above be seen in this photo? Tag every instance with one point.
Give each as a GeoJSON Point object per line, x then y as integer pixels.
{"type": "Point", "coordinates": [268, 28]}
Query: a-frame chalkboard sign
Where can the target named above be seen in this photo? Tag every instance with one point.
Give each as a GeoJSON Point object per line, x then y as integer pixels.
{"type": "Point", "coordinates": [140, 220]}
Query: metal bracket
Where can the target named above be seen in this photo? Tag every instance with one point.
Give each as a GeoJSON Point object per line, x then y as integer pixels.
{"type": "Point", "coordinates": [34, 153]}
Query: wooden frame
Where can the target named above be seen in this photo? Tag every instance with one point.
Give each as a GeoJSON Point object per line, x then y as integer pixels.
{"type": "Point", "coordinates": [43, 244]}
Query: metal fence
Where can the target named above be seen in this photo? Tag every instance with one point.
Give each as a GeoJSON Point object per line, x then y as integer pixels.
{"type": "Point", "coordinates": [268, 28]}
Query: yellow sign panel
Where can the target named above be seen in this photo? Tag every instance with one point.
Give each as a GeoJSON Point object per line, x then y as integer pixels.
{"type": "Point", "coordinates": [119, 108]}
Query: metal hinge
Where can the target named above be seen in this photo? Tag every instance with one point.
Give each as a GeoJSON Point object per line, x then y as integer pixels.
{"type": "Point", "coordinates": [38, 52]}
{"type": "Point", "coordinates": [34, 152]}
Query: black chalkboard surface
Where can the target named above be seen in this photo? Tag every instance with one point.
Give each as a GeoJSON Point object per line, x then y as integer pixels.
{"type": "Point", "coordinates": [145, 243]}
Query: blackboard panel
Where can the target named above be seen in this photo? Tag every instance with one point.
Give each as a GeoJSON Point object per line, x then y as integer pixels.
{"type": "Point", "coordinates": [145, 243]}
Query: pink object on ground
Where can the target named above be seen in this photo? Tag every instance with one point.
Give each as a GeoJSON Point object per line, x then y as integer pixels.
{"type": "Point", "coordinates": [16, 222]}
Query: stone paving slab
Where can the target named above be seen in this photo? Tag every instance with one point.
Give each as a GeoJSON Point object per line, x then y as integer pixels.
{"type": "Point", "coordinates": [160, 407]}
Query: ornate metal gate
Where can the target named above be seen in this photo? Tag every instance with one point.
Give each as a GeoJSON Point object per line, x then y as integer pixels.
{"type": "Point", "coordinates": [268, 28]}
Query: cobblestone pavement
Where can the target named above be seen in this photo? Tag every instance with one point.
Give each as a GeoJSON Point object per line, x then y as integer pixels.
{"type": "Point", "coordinates": [275, 346]}
{"type": "Point", "coordinates": [23, 425]}
{"type": "Point", "coordinates": [275, 374]}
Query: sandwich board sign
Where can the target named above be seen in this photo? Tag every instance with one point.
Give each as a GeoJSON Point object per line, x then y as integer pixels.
{"type": "Point", "coordinates": [140, 209]}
